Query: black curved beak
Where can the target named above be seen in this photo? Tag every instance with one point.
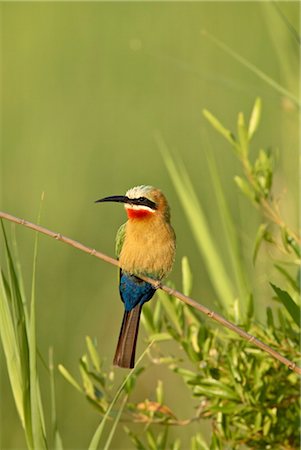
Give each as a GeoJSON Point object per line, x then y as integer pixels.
{"type": "Point", "coordinates": [114, 198]}
{"type": "Point", "coordinates": [142, 201]}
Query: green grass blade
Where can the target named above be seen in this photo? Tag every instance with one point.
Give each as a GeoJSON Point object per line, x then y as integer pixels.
{"type": "Point", "coordinates": [57, 443]}
{"type": "Point", "coordinates": [292, 308]}
{"type": "Point", "coordinates": [19, 320]}
{"type": "Point", "coordinates": [229, 232]}
{"type": "Point", "coordinates": [11, 348]}
{"type": "Point", "coordinates": [18, 269]}
{"type": "Point", "coordinates": [38, 426]}
{"type": "Point", "coordinates": [18, 303]}
{"type": "Point", "coordinates": [259, 73]}
{"type": "Point", "coordinates": [293, 283]}
{"type": "Point", "coordinates": [295, 34]}
{"type": "Point", "coordinates": [199, 226]}
{"type": "Point", "coordinates": [98, 433]}
{"type": "Point", "coordinates": [116, 421]}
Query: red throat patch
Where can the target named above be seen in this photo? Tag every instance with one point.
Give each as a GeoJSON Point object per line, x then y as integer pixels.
{"type": "Point", "coordinates": [138, 213]}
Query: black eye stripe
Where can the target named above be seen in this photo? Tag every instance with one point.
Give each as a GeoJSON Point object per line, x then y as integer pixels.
{"type": "Point", "coordinates": [143, 201]}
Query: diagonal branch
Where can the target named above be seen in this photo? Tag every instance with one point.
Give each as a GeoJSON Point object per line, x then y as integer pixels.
{"type": "Point", "coordinates": [189, 301]}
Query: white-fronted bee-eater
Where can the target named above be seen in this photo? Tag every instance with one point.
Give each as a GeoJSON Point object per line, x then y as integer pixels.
{"type": "Point", "coordinates": [145, 245]}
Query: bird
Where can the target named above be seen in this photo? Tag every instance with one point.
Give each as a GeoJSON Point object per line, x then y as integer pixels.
{"type": "Point", "coordinates": [145, 246]}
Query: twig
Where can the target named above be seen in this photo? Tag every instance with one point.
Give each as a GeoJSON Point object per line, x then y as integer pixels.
{"type": "Point", "coordinates": [184, 298]}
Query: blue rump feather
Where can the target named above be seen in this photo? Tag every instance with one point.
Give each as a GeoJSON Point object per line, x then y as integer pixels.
{"type": "Point", "coordinates": [134, 291]}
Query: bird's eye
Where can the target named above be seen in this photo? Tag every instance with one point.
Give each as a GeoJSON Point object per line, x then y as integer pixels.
{"type": "Point", "coordinates": [141, 199]}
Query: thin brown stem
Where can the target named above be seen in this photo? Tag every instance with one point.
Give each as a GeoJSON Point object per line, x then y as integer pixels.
{"type": "Point", "coordinates": [184, 298]}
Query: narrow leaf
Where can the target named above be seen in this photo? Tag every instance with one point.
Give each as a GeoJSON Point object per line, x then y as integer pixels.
{"type": "Point", "coordinates": [219, 127]}
{"type": "Point", "coordinates": [69, 377]}
{"type": "Point", "coordinates": [159, 337]}
{"type": "Point", "coordinates": [261, 232]}
{"type": "Point", "coordinates": [242, 135]}
{"type": "Point", "coordinates": [228, 227]}
{"type": "Point", "coordinates": [159, 392]}
{"type": "Point", "coordinates": [10, 347]}
{"type": "Point", "coordinates": [38, 425]}
{"type": "Point", "coordinates": [114, 426]}
{"type": "Point", "coordinates": [186, 276]}
{"type": "Point", "coordinates": [288, 277]}
{"type": "Point", "coordinates": [57, 443]}
{"type": "Point", "coordinates": [245, 188]}
{"type": "Point", "coordinates": [94, 356]}
{"type": "Point", "coordinates": [255, 118]}
{"type": "Point", "coordinates": [292, 308]}
{"type": "Point", "coordinates": [253, 68]}
{"type": "Point", "coordinates": [170, 310]}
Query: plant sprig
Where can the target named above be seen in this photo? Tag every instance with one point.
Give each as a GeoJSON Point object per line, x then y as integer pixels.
{"type": "Point", "coordinates": [257, 184]}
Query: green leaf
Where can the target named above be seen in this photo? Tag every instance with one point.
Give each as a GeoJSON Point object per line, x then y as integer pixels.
{"type": "Point", "coordinates": [86, 379]}
{"type": "Point", "coordinates": [245, 188]}
{"type": "Point", "coordinates": [242, 135]}
{"type": "Point", "coordinates": [294, 245]}
{"type": "Point", "coordinates": [151, 440]}
{"type": "Point", "coordinates": [187, 375]}
{"type": "Point", "coordinates": [215, 388]}
{"type": "Point", "coordinates": [170, 310]}
{"type": "Point", "coordinates": [255, 118]}
{"type": "Point", "coordinates": [186, 276]}
{"type": "Point", "coordinates": [37, 418]}
{"type": "Point", "coordinates": [162, 439]}
{"type": "Point", "coordinates": [292, 308]}
{"type": "Point", "coordinates": [250, 310]}
{"type": "Point", "coordinates": [263, 171]}
{"type": "Point", "coordinates": [216, 443]}
{"type": "Point", "coordinates": [159, 392]}
{"type": "Point", "coordinates": [288, 277]}
{"type": "Point", "coordinates": [260, 235]}
{"type": "Point", "coordinates": [69, 377]}
{"type": "Point", "coordinates": [193, 335]}
{"type": "Point", "coordinates": [10, 347]}
{"type": "Point", "coordinates": [219, 127]}
{"type": "Point", "coordinates": [93, 353]}
{"type": "Point", "coordinates": [200, 442]}
{"type": "Point", "coordinates": [147, 319]}
{"type": "Point", "coordinates": [57, 443]}
{"type": "Point", "coordinates": [157, 316]}
{"type": "Point", "coordinates": [266, 425]}
{"type": "Point", "coordinates": [257, 422]}
{"type": "Point", "coordinates": [115, 423]}
{"type": "Point", "coordinates": [159, 337]}
{"type": "Point", "coordinates": [176, 445]}
{"type": "Point", "coordinates": [138, 444]}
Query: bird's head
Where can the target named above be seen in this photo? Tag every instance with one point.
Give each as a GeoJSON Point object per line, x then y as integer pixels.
{"type": "Point", "coordinates": [142, 202]}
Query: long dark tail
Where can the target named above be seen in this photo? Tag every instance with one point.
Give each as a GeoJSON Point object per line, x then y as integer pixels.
{"type": "Point", "coordinates": [126, 347]}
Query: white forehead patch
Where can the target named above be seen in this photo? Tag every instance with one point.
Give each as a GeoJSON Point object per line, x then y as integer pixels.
{"type": "Point", "coordinates": [139, 191]}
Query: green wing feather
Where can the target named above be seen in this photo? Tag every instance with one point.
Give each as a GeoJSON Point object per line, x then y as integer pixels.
{"type": "Point", "coordinates": [120, 236]}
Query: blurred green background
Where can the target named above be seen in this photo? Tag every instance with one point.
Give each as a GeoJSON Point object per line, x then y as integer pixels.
{"type": "Point", "coordinates": [84, 88]}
